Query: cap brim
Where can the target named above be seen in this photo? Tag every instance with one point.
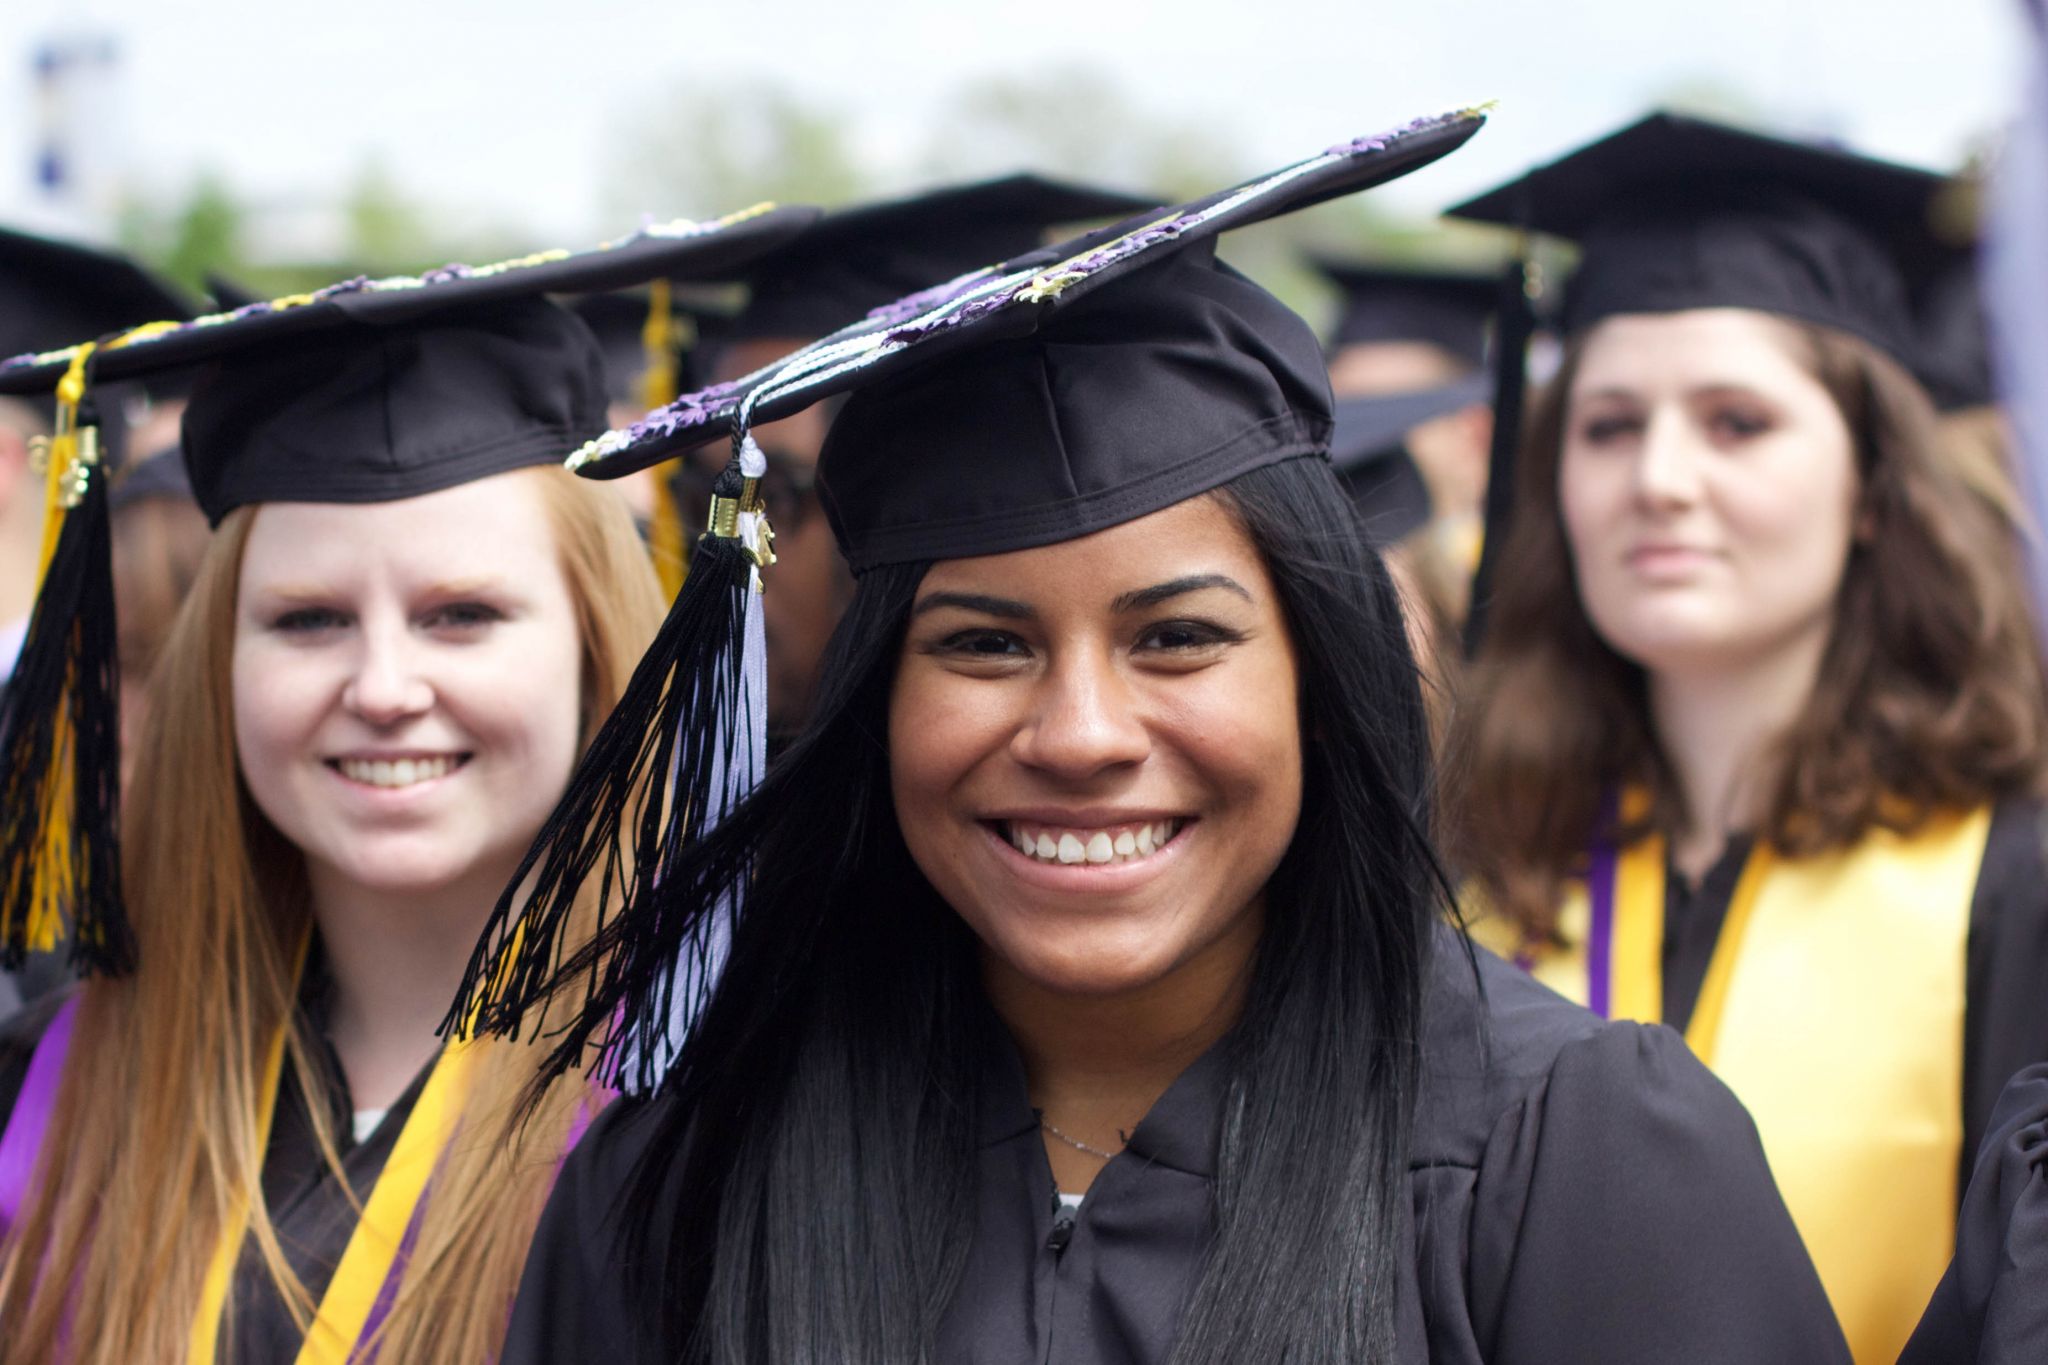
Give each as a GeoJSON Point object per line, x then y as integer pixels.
{"type": "Point", "coordinates": [1676, 158]}
{"type": "Point", "coordinates": [1017, 297]}
{"type": "Point", "coordinates": [1371, 425]}
{"type": "Point", "coordinates": [677, 251]}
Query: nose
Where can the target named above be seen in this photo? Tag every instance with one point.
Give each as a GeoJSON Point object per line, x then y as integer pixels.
{"type": "Point", "coordinates": [1668, 467]}
{"type": "Point", "coordinates": [1085, 720]}
{"type": "Point", "coordinates": [387, 684]}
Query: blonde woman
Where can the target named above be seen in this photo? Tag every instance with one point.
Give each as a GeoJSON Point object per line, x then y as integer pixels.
{"type": "Point", "coordinates": [407, 626]}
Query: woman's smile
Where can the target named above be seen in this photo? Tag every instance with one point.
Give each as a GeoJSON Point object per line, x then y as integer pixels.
{"type": "Point", "coordinates": [1095, 749]}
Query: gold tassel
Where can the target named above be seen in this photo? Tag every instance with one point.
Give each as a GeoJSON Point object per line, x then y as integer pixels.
{"type": "Point", "coordinates": [69, 457]}
{"type": "Point", "coordinates": [658, 338]}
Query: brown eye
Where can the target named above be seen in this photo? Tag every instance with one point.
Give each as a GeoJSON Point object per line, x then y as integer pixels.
{"type": "Point", "coordinates": [1739, 424]}
{"type": "Point", "coordinates": [1609, 429]}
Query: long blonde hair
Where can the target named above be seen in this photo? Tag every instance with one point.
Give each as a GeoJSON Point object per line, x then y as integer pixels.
{"type": "Point", "coordinates": [158, 1122]}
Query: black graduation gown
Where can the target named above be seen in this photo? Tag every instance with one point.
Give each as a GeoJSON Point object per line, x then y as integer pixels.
{"type": "Point", "coordinates": [1991, 1307]}
{"type": "Point", "coordinates": [312, 1214]}
{"type": "Point", "coordinates": [1580, 1191]}
{"type": "Point", "coordinates": [2005, 1012]}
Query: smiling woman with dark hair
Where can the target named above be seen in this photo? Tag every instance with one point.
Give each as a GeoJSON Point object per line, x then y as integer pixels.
{"type": "Point", "coordinates": [1090, 998]}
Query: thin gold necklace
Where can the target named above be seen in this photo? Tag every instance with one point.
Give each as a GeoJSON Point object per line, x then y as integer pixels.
{"type": "Point", "coordinates": [1081, 1146]}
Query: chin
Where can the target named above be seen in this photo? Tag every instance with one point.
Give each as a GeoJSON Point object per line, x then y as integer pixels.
{"type": "Point", "coordinates": [1086, 965]}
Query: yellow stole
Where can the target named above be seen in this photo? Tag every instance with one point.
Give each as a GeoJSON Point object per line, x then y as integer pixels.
{"type": "Point", "coordinates": [346, 1311]}
{"type": "Point", "coordinates": [1833, 1008]}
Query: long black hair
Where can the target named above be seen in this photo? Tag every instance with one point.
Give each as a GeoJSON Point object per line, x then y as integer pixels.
{"type": "Point", "coordinates": [814, 1180]}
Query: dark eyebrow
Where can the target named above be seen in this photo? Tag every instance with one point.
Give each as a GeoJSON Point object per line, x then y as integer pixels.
{"type": "Point", "coordinates": [1143, 598]}
{"type": "Point", "coordinates": [974, 601]}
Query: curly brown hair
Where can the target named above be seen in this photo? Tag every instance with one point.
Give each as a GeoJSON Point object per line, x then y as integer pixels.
{"type": "Point", "coordinates": [1929, 694]}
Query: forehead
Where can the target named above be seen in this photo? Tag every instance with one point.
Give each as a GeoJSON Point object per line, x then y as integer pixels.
{"type": "Point", "coordinates": [1690, 348]}
{"type": "Point", "coordinates": [1200, 535]}
{"type": "Point", "coordinates": [497, 527]}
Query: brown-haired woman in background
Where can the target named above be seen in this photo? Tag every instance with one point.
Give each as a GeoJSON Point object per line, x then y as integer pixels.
{"type": "Point", "coordinates": [1752, 744]}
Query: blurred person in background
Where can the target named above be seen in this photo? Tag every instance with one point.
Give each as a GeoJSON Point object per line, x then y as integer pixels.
{"type": "Point", "coordinates": [51, 294]}
{"type": "Point", "coordinates": [1408, 330]}
{"type": "Point", "coordinates": [1754, 741]}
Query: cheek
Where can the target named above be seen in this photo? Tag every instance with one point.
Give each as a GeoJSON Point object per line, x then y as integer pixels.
{"type": "Point", "coordinates": [940, 727]}
{"type": "Point", "coordinates": [533, 704]}
{"type": "Point", "coordinates": [1590, 491]}
{"type": "Point", "coordinates": [1798, 505]}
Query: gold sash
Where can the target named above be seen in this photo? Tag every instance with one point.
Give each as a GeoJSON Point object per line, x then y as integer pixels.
{"type": "Point", "coordinates": [1833, 1008]}
{"type": "Point", "coordinates": [345, 1311]}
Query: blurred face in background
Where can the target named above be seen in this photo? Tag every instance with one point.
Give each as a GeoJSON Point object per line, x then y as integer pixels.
{"type": "Point", "coordinates": [1449, 450]}
{"type": "Point", "coordinates": [1709, 489]}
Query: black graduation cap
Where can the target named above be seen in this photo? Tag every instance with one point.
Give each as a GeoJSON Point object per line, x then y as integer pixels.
{"type": "Point", "coordinates": [621, 324]}
{"type": "Point", "coordinates": [1675, 213]}
{"type": "Point", "coordinates": [365, 391]}
{"type": "Point", "coordinates": [1954, 361]}
{"type": "Point", "coordinates": [54, 292]}
{"type": "Point", "coordinates": [857, 259]}
{"type": "Point", "coordinates": [1065, 391]}
{"type": "Point", "coordinates": [1446, 308]}
{"type": "Point", "coordinates": [1369, 450]}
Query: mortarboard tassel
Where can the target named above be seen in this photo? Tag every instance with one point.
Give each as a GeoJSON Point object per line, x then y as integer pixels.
{"type": "Point", "coordinates": [1511, 356]}
{"type": "Point", "coordinates": [659, 382]}
{"type": "Point", "coordinates": [686, 741]}
{"type": "Point", "coordinates": [60, 766]}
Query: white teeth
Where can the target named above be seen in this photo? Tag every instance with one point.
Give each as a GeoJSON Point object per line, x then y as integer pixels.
{"type": "Point", "coordinates": [402, 772]}
{"type": "Point", "coordinates": [1096, 847]}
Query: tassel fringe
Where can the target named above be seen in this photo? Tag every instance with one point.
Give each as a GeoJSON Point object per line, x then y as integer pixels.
{"type": "Point", "coordinates": [664, 767]}
{"type": "Point", "coordinates": [60, 759]}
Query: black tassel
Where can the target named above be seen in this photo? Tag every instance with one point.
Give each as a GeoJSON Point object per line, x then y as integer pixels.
{"type": "Point", "coordinates": [646, 789]}
{"type": "Point", "coordinates": [60, 757]}
{"type": "Point", "coordinates": [1516, 324]}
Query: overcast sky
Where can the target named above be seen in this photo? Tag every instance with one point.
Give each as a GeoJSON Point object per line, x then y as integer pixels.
{"type": "Point", "coordinates": [500, 110]}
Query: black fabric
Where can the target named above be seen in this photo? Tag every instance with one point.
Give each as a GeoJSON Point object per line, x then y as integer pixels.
{"type": "Point", "coordinates": [1134, 399]}
{"type": "Point", "coordinates": [1991, 1307]}
{"type": "Point", "coordinates": [1392, 500]}
{"type": "Point", "coordinates": [1446, 308]}
{"type": "Point", "coordinates": [936, 325]}
{"type": "Point", "coordinates": [366, 413]}
{"type": "Point", "coordinates": [2005, 1018]}
{"type": "Point", "coordinates": [1693, 914]}
{"type": "Point", "coordinates": [53, 293]}
{"type": "Point", "coordinates": [1955, 346]}
{"type": "Point", "coordinates": [2005, 1012]}
{"type": "Point", "coordinates": [313, 1215]}
{"type": "Point", "coordinates": [1675, 213]}
{"type": "Point", "coordinates": [1368, 449]}
{"type": "Point", "coordinates": [1579, 1191]}
{"type": "Point", "coordinates": [857, 259]}
{"type": "Point", "coordinates": [705, 251]}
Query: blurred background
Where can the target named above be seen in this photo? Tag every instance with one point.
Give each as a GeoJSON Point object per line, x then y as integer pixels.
{"type": "Point", "coordinates": [288, 145]}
